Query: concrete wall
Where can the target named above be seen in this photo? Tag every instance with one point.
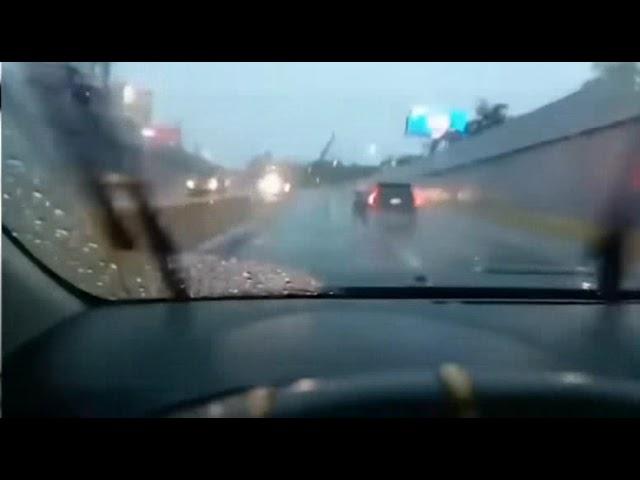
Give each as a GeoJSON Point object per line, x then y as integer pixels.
{"type": "Point", "coordinates": [573, 177]}
{"type": "Point", "coordinates": [566, 158]}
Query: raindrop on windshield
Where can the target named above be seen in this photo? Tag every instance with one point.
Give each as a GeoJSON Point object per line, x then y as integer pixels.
{"type": "Point", "coordinates": [113, 266]}
{"type": "Point", "coordinates": [138, 280]}
{"type": "Point", "coordinates": [6, 196]}
{"type": "Point", "coordinates": [247, 275]}
{"type": "Point", "coordinates": [14, 162]}
{"type": "Point", "coordinates": [58, 213]}
{"type": "Point", "coordinates": [37, 195]}
{"type": "Point", "coordinates": [61, 233]}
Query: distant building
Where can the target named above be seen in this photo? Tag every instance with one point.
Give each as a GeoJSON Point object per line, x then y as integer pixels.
{"type": "Point", "coordinates": [136, 103]}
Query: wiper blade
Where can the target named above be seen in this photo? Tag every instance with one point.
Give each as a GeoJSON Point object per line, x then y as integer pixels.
{"type": "Point", "coordinates": [533, 270]}
{"type": "Point", "coordinates": [471, 293]}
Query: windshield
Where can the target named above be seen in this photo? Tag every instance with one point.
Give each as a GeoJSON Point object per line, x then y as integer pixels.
{"type": "Point", "coordinates": [187, 180]}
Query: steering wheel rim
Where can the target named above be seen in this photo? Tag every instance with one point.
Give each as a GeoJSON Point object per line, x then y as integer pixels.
{"type": "Point", "coordinates": [431, 395]}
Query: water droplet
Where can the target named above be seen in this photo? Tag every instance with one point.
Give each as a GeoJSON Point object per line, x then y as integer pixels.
{"type": "Point", "coordinates": [86, 249]}
{"type": "Point", "coordinates": [233, 291]}
{"type": "Point", "coordinates": [81, 270]}
{"type": "Point", "coordinates": [14, 162]}
{"type": "Point", "coordinates": [89, 270]}
{"type": "Point", "coordinates": [247, 275]}
{"type": "Point", "coordinates": [61, 233]}
{"type": "Point", "coordinates": [6, 196]}
{"type": "Point", "coordinates": [37, 195]}
{"type": "Point", "coordinates": [58, 213]}
{"type": "Point", "coordinates": [138, 280]}
{"type": "Point", "coordinates": [47, 204]}
{"type": "Point", "coordinates": [285, 292]}
{"type": "Point", "coordinates": [113, 266]}
{"type": "Point", "coordinates": [287, 280]}
{"type": "Point", "coordinates": [15, 234]}
{"type": "Point", "coordinates": [102, 263]}
{"type": "Point", "coordinates": [100, 284]}
{"type": "Point", "coordinates": [37, 241]}
{"type": "Point", "coordinates": [38, 222]}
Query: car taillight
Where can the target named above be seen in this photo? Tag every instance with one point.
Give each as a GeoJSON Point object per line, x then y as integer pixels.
{"type": "Point", "coordinates": [372, 199]}
{"type": "Point", "coordinates": [419, 197]}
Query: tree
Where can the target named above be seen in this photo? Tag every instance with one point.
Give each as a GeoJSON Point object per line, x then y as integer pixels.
{"type": "Point", "coordinates": [487, 115]}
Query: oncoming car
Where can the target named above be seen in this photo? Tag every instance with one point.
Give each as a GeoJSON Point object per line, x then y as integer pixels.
{"type": "Point", "coordinates": [200, 186]}
{"type": "Point", "coordinates": [273, 185]}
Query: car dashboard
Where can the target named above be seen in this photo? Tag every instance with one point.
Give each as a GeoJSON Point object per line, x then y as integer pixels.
{"type": "Point", "coordinates": [157, 358]}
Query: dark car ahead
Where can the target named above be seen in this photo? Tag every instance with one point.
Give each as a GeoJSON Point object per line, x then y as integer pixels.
{"type": "Point", "coordinates": [390, 204]}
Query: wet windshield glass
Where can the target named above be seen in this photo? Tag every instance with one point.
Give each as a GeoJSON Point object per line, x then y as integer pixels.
{"type": "Point", "coordinates": [186, 180]}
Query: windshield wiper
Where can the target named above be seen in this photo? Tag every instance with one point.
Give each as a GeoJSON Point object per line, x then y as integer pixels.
{"type": "Point", "coordinates": [524, 269]}
{"type": "Point", "coordinates": [470, 293]}
{"type": "Point", "coordinates": [162, 246]}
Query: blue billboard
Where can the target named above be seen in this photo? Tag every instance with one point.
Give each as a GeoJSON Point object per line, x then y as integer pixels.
{"type": "Point", "coordinates": [421, 123]}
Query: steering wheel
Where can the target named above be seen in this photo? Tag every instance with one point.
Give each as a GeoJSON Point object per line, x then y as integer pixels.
{"type": "Point", "coordinates": [449, 392]}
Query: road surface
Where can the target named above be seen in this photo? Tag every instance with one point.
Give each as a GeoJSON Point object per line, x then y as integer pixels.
{"type": "Point", "coordinates": [316, 233]}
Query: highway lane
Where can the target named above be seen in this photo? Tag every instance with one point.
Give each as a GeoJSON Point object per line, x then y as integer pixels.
{"type": "Point", "coordinates": [317, 233]}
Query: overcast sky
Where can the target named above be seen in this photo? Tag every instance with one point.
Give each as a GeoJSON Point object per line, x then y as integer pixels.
{"type": "Point", "coordinates": [237, 110]}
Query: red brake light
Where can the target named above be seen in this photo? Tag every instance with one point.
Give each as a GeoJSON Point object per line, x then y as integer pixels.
{"type": "Point", "coordinates": [372, 199]}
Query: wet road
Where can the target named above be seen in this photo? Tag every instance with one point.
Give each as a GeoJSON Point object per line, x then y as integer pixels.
{"type": "Point", "coordinates": [316, 232]}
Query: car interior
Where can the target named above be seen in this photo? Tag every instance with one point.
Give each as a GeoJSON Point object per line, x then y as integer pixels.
{"type": "Point", "coordinates": [405, 351]}
{"type": "Point", "coordinates": [359, 353]}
